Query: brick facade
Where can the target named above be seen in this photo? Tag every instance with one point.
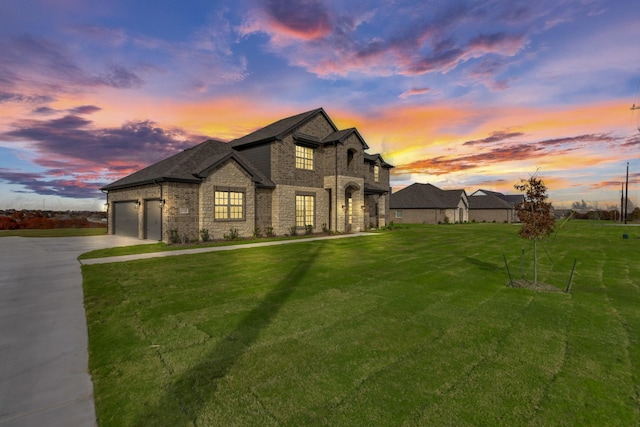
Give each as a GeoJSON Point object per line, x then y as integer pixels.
{"type": "Point", "coordinates": [342, 201]}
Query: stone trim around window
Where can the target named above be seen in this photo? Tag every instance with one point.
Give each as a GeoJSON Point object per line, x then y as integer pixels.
{"type": "Point", "coordinates": [305, 208]}
{"type": "Point", "coordinates": [229, 204]}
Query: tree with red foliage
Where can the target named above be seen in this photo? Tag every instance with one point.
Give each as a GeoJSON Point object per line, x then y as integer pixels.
{"type": "Point", "coordinates": [7, 223]}
{"type": "Point", "coordinates": [535, 213]}
{"type": "Point", "coordinates": [38, 222]}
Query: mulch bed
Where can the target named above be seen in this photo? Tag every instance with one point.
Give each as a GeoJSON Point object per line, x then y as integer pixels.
{"type": "Point", "coordinates": [528, 284]}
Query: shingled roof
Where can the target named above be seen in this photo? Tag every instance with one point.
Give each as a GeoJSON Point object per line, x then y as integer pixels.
{"type": "Point", "coordinates": [341, 135]}
{"type": "Point", "coordinates": [425, 196]}
{"type": "Point", "coordinates": [373, 157]}
{"type": "Point", "coordinates": [511, 199]}
{"type": "Point", "coordinates": [190, 165]}
{"type": "Point", "coordinates": [488, 202]}
{"type": "Point", "coordinates": [277, 130]}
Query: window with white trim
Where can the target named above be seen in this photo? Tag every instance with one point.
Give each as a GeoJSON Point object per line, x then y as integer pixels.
{"type": "Point", "coordinates": [229, 205]}
{"type": "Point", "coordinates": [304, 157]}
{"type": "Point", "coordinates": [376, 173]}
{"type": "Point", "coordinates": [398, 214]}
{"type": "Point", "coordinates": [305, 214]}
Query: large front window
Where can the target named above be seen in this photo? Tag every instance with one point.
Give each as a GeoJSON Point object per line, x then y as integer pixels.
{"type": "Point", "coordinates": [305, 210]}
{"type": "Point", "coordinates": [304, 157]}
{"type": "Point", "coordinates": [229, 205]}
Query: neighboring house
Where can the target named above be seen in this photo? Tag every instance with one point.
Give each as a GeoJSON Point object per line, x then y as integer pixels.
{"type": "Point", "coordinates": [428, 204]}
{"type": "Point", "coordinates": [299, 171]}
{"type": "Point", "coordinates": [491, 206]}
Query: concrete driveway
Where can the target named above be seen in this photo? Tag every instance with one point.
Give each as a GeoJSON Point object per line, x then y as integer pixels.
{"type": "Point", "coordinates": [44, 379]}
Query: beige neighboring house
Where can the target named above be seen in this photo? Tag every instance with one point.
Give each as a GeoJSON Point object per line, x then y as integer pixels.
{"type": "Point", "coordinates": [297, 172]}
{"type": "Point", "coordinates": [491, 206]}
{"type": "Point", "coordinates": [428, 204]}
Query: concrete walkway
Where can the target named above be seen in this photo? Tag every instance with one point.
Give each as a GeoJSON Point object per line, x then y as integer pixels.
{"type": "Point", "coordinates": [124, 258]}
{"type": "Point", "coordinates": [44, 379]}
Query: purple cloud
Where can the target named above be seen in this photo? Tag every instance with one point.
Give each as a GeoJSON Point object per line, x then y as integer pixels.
{"type": "Point", "coordinates": [593, 137]}
{"type": "Point", "coordinates": [39, 184]}
{"type": "Point", "coordinates": [306, 19]}
{"type": "Point", "coordinates": [503, 152]}
{"type": "Point", "coordinates": [632, 142]}
{"type": "Point", "coordinates": [495, 137]}
{"type": "Point", "coordinates": [85, 109]}
{"type": "Point", "coordinates": [50, 66]}
{"type": "Point", "coordinates": [410, 40]}
{"type": "Point", "coordinates": [25, 99]}
{"type": "Point", "coordinates": [79, 155]}
{"type": "Point", "coordinates": [71, 137]}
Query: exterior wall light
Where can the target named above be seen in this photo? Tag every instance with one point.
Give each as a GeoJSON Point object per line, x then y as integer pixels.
{"type": "Point", "coordinates": [137, 204]}
{"type": "Point", "coordinates": [161, 203]}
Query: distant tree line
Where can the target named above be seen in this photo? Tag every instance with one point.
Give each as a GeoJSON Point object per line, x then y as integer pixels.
{"type": "Point", "coordinates": [606, 215]}
{"type": "Point", "coordinates": [36, 219]}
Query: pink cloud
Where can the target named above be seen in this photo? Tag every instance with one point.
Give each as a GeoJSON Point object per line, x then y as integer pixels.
{"type": "Point", "coordinates": [304, 20]}
{"type": "Point", "coordinates": [501, 43]}
{"type": "Point", "coordinates": [414, 91]}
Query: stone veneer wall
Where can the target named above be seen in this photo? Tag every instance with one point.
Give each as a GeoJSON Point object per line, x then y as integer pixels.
{"type": "Point", "coordinates": [180, 212]}
{"type": "Point", "coordinates": [358, 220]}
{"type": "Point", "coordinates": [228, 176]}
{"type": "Point", "coordinates": [418, 216]}
{"type": "Point", "coordinates": [425, 216]}
{"type": "Point", "coordinates": [490, 215]}
{"type": "Point", "coordinates": [284, 207]}
{"type": "Point", "coordinates": [264, 209]}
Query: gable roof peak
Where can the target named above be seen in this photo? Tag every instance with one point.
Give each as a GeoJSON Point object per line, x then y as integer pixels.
{"type": "Point", "coordinates": [276, 130]}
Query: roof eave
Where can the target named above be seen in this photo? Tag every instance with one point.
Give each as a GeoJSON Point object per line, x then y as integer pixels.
{"type": "Point", "coordinates": [111, 187]}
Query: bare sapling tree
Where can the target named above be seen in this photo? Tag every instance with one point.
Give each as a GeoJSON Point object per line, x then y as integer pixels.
{"type": "Point", "coordinates": [535, 213]}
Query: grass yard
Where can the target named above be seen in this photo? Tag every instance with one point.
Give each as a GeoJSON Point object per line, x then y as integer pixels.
{"type": "Point", "coordinates": [415, 326]}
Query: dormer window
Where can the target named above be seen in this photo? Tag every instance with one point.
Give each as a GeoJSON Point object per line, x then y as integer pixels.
{"type": "Point", "coordinates": [304, 157]}
{"type": "Point", "coordinates": [376, 173]}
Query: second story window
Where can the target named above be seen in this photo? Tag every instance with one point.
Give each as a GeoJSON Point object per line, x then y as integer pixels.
{"type": "Point", "coordinates": [304, 157]}
{"type": "Point", "coordinates": [376, 173]}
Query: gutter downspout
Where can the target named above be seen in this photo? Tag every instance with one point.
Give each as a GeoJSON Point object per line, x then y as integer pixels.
{"type": "Point", "coordinates": [336, 190]}
{"type": "Point", "coordinates": [155, 181]}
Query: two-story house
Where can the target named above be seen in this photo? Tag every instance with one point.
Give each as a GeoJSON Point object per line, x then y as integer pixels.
{"type": "Point", "coordinates": [297, 172]}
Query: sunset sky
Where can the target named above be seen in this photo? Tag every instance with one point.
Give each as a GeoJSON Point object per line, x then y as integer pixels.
{"type": "Point", "coordinates": [459, 94]}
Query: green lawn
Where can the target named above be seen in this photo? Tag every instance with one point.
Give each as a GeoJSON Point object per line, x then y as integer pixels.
{"type": "Point", "coordinates": [55, 232]}
{"type": "Point", "coordinates": [415, 326]}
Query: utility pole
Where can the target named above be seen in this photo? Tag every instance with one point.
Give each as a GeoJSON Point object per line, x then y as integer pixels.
{"type": "Point", "coordinates": [626, 198]}
{"type": "Point", "coordinates": [621, 201]}
{"type": "Point", "coordinates": [633, 108]}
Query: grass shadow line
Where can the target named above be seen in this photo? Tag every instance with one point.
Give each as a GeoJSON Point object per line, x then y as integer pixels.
{"type": "Point", "coordinates": [192, 389]}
